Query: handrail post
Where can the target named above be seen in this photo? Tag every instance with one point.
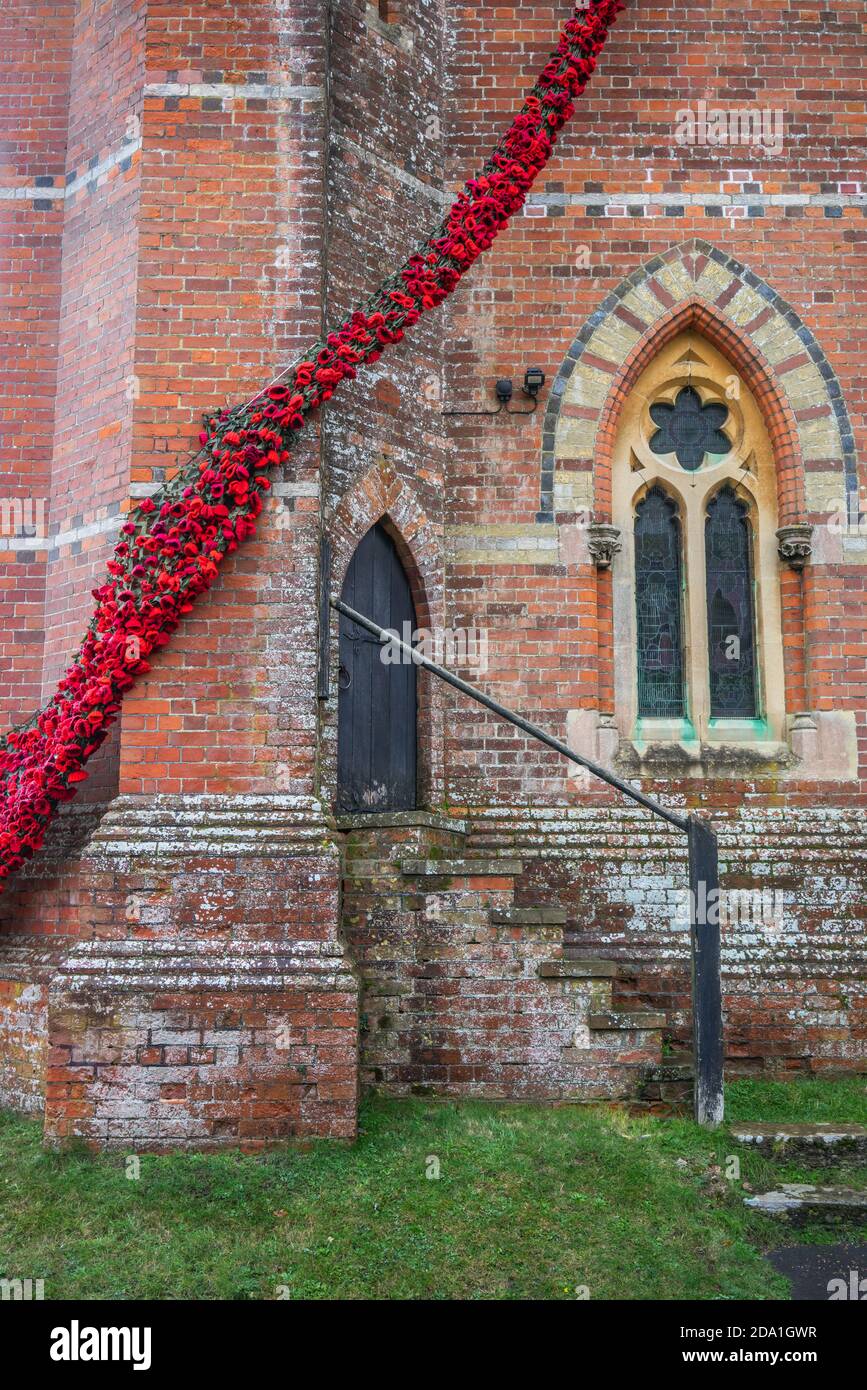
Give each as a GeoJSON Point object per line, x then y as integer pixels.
{"type": "Point", "coordinates": [707, 1027]}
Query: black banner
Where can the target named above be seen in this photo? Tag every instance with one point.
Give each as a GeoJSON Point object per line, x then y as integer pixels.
{"type": "Point", "coordinates": [85, 1340]}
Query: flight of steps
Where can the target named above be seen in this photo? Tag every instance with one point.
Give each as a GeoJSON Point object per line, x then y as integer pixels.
{"type": "Point", "coordinates": [467, 987]}
{"type": "Point", "coordinates": [820, 1146]}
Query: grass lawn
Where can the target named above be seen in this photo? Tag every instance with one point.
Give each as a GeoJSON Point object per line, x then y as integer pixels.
{"type": "Point", "coordinates": [530, 1202]}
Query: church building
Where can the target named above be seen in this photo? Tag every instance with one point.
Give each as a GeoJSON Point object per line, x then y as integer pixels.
{"type": "Point", "coordinates": [616, 483]}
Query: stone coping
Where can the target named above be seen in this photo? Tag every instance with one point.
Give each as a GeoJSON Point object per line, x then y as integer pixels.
{"type": "Point", "coordinates": [188, 966]}
{"type": "Point", "coordinates": [193, 827]}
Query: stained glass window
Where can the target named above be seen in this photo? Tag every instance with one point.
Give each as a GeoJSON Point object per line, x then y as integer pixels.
{"type": "Point", "coordinates": [730, 608]}
{"type": "Point", "coordinates": [689, 429]}
{"type": "Point", "coordinates": [658, 600]}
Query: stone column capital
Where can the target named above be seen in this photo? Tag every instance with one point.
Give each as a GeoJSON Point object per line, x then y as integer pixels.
{"type": "Point", "coordinates": [795, 544]}
{"type": "Point", "coordinates": [603, 542]}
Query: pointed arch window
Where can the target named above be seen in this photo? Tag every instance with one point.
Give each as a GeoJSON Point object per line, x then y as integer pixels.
{"type": "Point", "coordinates": [698, 651]}
{"type": "Point", "coordinates": [730, 608]}
{"type": "Point", "coordinates": [659, 615]}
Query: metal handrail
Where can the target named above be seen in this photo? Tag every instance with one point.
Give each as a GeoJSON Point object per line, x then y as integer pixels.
{"type": "Point", "coordinates": [419, 659]}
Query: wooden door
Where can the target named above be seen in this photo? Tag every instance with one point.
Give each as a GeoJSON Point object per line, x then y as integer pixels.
{"type": "Point", "coordinates": [377, 709]}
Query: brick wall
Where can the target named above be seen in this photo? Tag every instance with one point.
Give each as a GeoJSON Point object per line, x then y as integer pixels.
{"type": "Point", "coordinates": [35, 62]}
{"type": "Point", "coordinates": [231, 240]}
{"type": "Point", "coordinates": [94, 364]}
{"type": "Point", "coordinates": [193, 231]}
{"type": "Point", "coordinates": [384, 441]}
{"type": "Point", "coordinates": [28, 968]}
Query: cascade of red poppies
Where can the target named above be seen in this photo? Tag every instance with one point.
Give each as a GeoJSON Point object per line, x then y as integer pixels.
{"type": "Point", "coordinates": [172, 543]}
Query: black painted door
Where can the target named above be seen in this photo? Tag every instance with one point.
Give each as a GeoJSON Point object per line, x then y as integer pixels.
{"type": "Point", "coordinates": [376, 743]}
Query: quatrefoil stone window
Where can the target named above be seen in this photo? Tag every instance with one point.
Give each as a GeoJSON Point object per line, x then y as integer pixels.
{"type": "Point", "coordinates": [688, 429]}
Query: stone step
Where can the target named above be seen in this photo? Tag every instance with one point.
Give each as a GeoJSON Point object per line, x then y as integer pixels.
{"type": "Point", "coordinates": [644, 1020]}
{"type": "Point", "coordinates": [801, 1203]}
{"type": "Point", "coordinates": [131, 966]}
{"type": "Point", "coordinates": [462, 868]}
{"type": "Point", "coordinates": [401, 820]}
{"type": "Point", "coordinates": [579, 970]}
{"type": "Point", "coordinates": [673, 1068]}
{"type": "Point", "coordinates": [529, 917]}
{"type": "Point", "coordinates": [627, 968]}
{"type": "Point", "coordinates": [33, 959]}
{"type": "Point", "coordinates": [383, 870]}
{"type": "Point", "coordinates": [819, 1144]}
{"type": "Point", "coordinates": [674, 1095]}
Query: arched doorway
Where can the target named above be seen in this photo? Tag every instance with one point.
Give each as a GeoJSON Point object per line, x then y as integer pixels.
{"type": "Point", "coordinates": [377, 703]}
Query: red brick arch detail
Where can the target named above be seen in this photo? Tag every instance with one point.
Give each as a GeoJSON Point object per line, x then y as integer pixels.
{"type": "Point", "coordinates": [748, 362]}
{"type": "Point", "coordinates": [381, 496]}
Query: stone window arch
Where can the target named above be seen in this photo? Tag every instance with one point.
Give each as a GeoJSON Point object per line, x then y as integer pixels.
{"type": "Point", "coordinates": [696, 285]}
{"type": "Point", "coordinates": [698, 652]}
{"type": "Point", "coordinates": [776, 356]}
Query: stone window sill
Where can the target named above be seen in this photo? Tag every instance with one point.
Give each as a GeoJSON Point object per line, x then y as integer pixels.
{"type": "Point", "coordinates": [734, 755]}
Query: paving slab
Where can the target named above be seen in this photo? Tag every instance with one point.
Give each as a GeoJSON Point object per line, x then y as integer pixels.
{"type": "Point", "coordinates": [801, 1202]}
{"type": "Point", "coordinates": [823, 1273]}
